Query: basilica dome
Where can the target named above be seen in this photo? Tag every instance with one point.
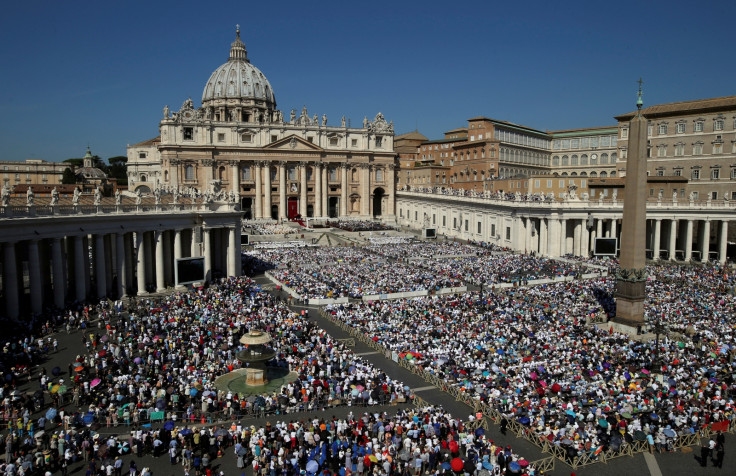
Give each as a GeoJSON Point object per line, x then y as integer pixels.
{"type": "Point", "coordinates": [238, 80]}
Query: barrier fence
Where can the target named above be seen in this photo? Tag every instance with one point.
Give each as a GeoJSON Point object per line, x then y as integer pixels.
{"type": "Point", "coordinates": [585, 458]}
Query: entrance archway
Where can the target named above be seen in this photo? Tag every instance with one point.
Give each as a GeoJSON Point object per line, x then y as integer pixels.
{"type": "Point", "coordinates": [144, 189]}
{"type": "Point", "coordinates": [332, 207]}
{"type": "Point", "coordinates": [292, 207]}
{"type": "Point", "coordinates": [275, 212]}
{"type": "Point", "coordinates": [246, 205]}
{"type": "Point", "coordinates": [378, 195]}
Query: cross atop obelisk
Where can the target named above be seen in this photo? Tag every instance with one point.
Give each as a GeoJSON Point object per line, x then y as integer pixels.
{"type": "Point", "coordinates": [631, 277]}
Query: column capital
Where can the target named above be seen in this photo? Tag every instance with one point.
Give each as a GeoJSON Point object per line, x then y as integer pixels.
{"type": "Point", "coordinates": [233, 163]}
{"type": "Point", "coordinates": [208, 162]}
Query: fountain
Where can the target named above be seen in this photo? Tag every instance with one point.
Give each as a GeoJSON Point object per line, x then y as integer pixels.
{"type": "Point", "coordinates": [255, 378]}
{"type": "Point", "coordinates": [256, 354]}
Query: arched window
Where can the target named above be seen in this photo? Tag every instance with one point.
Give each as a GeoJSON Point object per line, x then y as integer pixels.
{"type": "Point", "coordinates": [604, 158]}
{"type": "Point", "coordinates": [594, 174]}
{"type": "Point", "coordinates": [613, 173]}
{"type": "Point", "coordinates": [565, 160]}
{"type": "Point", "coordinates": [584, 159]}
{"type": "Point", "coordinates": [604, 174]}
{"type": "Point", "coordinates": [614, 158]}
{"type": "Point", "coordinates": [143, 178]}
{"type": "Point", "coordinates": [573, 174]}
{"type": "Point", "coordinates": [166, 176]}
{"type": "Point", "coordinates": [574, 160]}
{"type": "Point", "coordinates": [555, 161]}
{"type": "Point", "coordinates": [564, 174]}
{"type": "Point", "coordinates": [221, 174]}
{"type": "Point", "coordinates": [189, 172]}
{"type": "Point", "coordinates": [583, 174]}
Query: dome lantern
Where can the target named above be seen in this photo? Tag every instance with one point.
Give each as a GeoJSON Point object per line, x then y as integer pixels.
{"type": "Point", "coordinates": [237, 48]}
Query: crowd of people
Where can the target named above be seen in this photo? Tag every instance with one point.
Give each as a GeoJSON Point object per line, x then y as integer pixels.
{"type": "Point", "coordinates": [528, 354]}
{"type": "Point", "coordinates": [358, 225]}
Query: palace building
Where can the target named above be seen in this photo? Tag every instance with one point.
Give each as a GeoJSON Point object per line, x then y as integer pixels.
{"type": "Point", "coordinates": [274, 165]}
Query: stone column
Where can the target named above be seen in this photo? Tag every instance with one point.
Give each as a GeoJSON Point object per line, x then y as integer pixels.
{"type": "Point", "coordinates": [584, 238]}
{"type": "Point", "coordinates": [723, 242]}
{"type": "Point", "coordinates": [177, 244]}
{"type": "Point", "coordinates": [207, 254]}
{"type": "Point", "coordinates": [614, 228]}
{"type": "Point", "coordinates": [563, 237]}
{"type": "Point", "coordinates": [657, 238]}
{"type": "Point", "coordinates": [577, 237]}
{"type": "Point", "coordinates": [553, 237]}
{"type": "Point", "coordinates": [282, 191]}
{"type": "Point", "coordinates": [672, 239]}
{"type": "Point", "coordinates": [344, 190]}
{"type": "Point", "coordinates": [259, 190]}
{"type": "Point", "coordinates": [108, 265]}
{"type": "Point", "coordinates": [542, 236]}
{"type": "Point", "coordinates": [519, 234]}
{"type": "Point", "coordinates": [121, 264]}
{"type": "Point", "coordinates": [303, 190]}
{"type": "Point", "coordinates": [705, 245]}
{"type": "Point", "coordinates": [599, 227]}
{"type": "Point", "coordinates": [160, 267]}
{"type": "Point", "coordinates": [267, 192]}
{"type": "Point", "coordinates": [129, 263]}
{"type": "Point", "coordinates": [365, 194]}
{"type": "Point", "coordinates": [57, 266]}
{"type": "Point", "coordinates": [100, 266]}
{"type": "Point", "coordinates": [141, 262]}
{"type": "Point", "coordinates": [87, 275]}
{"type": "Point", "coordinates": [325, 191]}
{"type": "Point", "coordinates": [80, 273]}
{"type": "Point", "coordinates": [238, 239]}
{"type": "Point", "coordinates": [233, 252]}
{"type": "Point", "coordinates": [391, 181]}
{"type": "Point", "coordinates": [689, 241]}
{"type": "Point", "coordinates": [235, 173]}
{"type": "Point", "coordinates": [10, 281]}
{"type": "Point", "coordinates": [208, 175]}
{"type": "Point", "coordinates": [34, 277]}
{"type": "Point", "coordinates": [317, 189]}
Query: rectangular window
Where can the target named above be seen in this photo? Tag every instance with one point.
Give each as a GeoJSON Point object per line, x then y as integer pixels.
{"type": "Point", "coordinates": [333, 174]}
{"type": "Point", "coordinates": [562, 183]}
{"type": "Point", "coordinates": [188, 133]}
{"type": "Point", "coordinates": [354, 142]}
{"type": "Point", "coordinates": [434, 219]}
{"type": "Point", "coordinates": [717, 148]}
{"type": "Point", "coordinates": [141, 155]}
{"type": "Point", "coordinates": [651, 192]}
{"type": "Point", "coordinates": [444, 221]}
{"type": "Point", "coordinates": [718, 125]}
{"type": "Point", "coordinates": [624, 133]}
{"type": "Point", "coordinates": [733, 195]}
{"type": "Point", "coordinates": [698, 126]}
{"type": "Point", "coordinates": [220, 137]}
{"type": "Point", "coordinates": [508, 233]}
{"type": "Point", "coordinates": [310, 139]}
{"type": "Point", "coordinates": [714, 195]}
{"type": "Point", "coordinates": [585, 142]}
{"type": "Point", "coordinates": [606, 141]}
{"type": "Point", "coordinates": [681, 128]}
{"type": "Point", "coordinates": [274, 138]}
{"type": "Point", "coordinates": [594, 142]}
{"type": "Point", "coordinates": [733, 173]}
{"type": "Point", "coordinates": [292, 172]}
{"type": "Point", "coordinates": [662, 129]}
{"type": "Point", "coordinates": [454, 222]}
{"type": "Point", "coordinates": [679, 149]}
{"type": "Point", "coordinates": [493, 229]}
{"type": "Point", "coordinates": [575, 143]}
{"type": "Point", "coordinates": [466, 225]}
{"type": "Point", "coordinates": [696, 174]}
{"type": "Point", "coordinates": [715, 174]}
{"type": "Point", "coordinates": [698, 149]}
{"type": "Point", "coordinates": [333, 141]}
{"type": "Point", "coordinates": [246, 173]}
{"type": "Point", "coordinates": [246, 137]}
{"type": "Point", "coordinates": [678, 173]}
{"type": "Point", "coordinates": [549, 184]}
{"type": "Point", "coordinates": [379, 141]}
{"type": "Point", "coordinates": [537, 184]}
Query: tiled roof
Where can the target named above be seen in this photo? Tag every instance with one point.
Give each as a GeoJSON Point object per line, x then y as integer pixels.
{"type": "Point", "coordinates": [684, 107]}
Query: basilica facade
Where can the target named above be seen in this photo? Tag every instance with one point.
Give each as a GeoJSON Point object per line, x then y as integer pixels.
{"type": "Point", "coordinates": [239, 145]}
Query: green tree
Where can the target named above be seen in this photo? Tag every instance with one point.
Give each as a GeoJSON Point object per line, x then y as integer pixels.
{"type": "Point", "coordinates": [76, 162]}
{"type": "Point", "coordinates": [118, 169]}
{"type": "Point", "coordinates": [68, 177]}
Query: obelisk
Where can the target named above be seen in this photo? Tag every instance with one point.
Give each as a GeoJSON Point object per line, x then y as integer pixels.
{"type": "Point", "coordinates": [631, 277]}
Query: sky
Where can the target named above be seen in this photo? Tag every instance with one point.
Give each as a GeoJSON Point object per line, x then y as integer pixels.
{"type": "Point", "coordinates": [83, 73]}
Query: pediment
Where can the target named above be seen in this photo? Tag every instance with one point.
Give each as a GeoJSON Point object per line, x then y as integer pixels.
{"type": "Point", "coordinates": [293, 142]}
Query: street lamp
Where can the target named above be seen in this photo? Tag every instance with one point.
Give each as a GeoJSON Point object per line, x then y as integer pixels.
{"type": "Point", "coordinates": [659, 327]}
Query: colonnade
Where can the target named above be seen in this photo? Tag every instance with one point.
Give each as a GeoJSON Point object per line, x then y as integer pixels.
{"type": "Point", "coordinates": [319, 196]}
{"type": "Point", "coordinates": [699, 234]}
{"type": "Point", "coordinates": [668, 239]}
{"type": "Point", "coordinates": [102, 260]}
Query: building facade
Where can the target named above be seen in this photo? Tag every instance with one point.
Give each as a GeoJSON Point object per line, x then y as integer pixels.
{"type": "Point", "coordinates": [32, 171]}
{"type": "Point", "coordinates": [692, 139]}
{"type": "Point", "coordinates": [275, 166]}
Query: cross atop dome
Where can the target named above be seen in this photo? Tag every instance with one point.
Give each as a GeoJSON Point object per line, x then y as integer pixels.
{"type": "Point", "coordinates": [237, 48]}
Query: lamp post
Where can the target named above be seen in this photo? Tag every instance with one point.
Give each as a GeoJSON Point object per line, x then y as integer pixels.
{"type": "Point", "coordinates": [659, 327]}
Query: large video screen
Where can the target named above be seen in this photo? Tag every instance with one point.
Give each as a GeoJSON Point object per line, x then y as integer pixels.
{"type": "Point", "coordinates": [189, 270]}
{"type": "Point", "coordinates": [430, 233]}
{"type": "Point", "coordinates": [605, 246]}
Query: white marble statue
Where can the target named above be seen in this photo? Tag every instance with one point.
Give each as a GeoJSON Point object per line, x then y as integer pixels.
{"type": "Point", "coordinates": [75, 196]}
{"type": "Point", "coordinates": [29, 197]}
{"type": "Point", "coordinates": [54, 197]}
{"type": "Point", "coordinates": [98, 195]}
{"type": "Point", "coordinates": [5, 195]}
